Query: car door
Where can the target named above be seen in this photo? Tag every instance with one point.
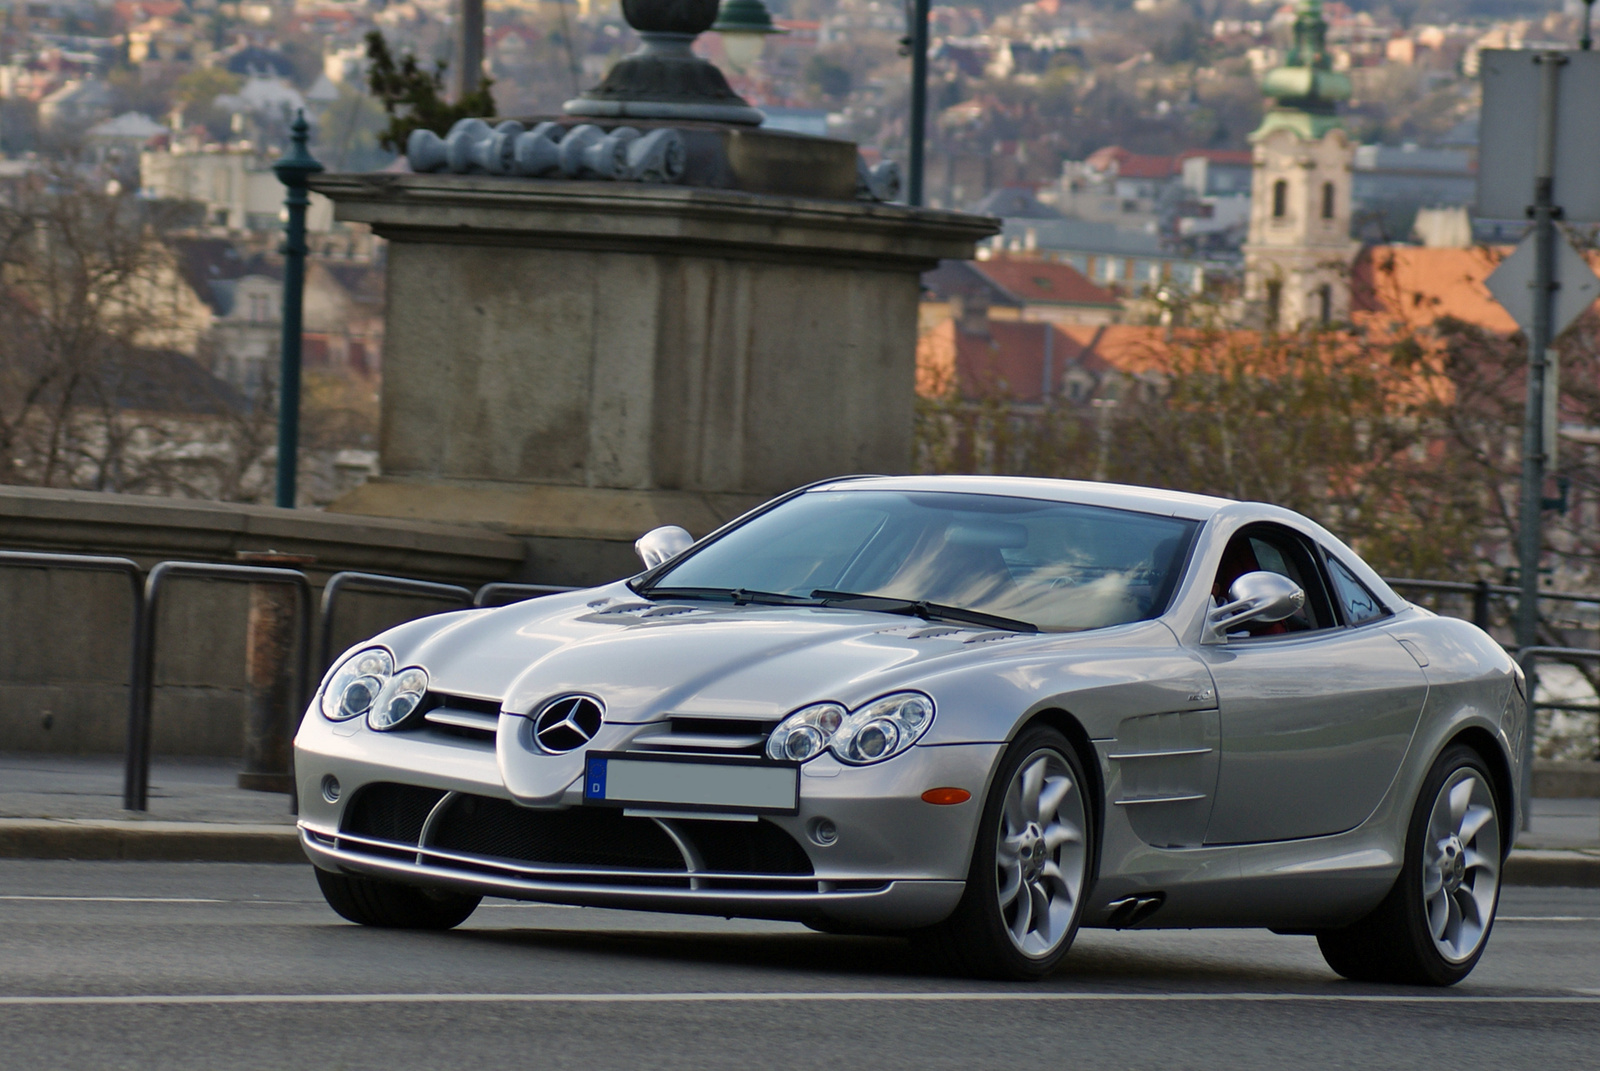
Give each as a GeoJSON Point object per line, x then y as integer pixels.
{"type": "Point", "coordinates": [1316, 714]}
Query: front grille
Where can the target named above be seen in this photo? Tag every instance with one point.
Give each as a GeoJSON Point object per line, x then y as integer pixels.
{"type": "Point", "coordinates": [387, 811]}
{"type": "Point", "coordinates": [480, 832]}
{"type": "Point", "coordinates": [744, 847]}
{"type": "Point", "coordinates": [596, 837]}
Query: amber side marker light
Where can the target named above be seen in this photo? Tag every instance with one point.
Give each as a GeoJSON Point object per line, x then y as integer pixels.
{"type": "Point", "coordinates": [945, 796]}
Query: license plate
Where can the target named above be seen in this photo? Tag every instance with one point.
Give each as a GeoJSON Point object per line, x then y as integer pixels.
{"type": "Point", "coordinates": [690, 784]}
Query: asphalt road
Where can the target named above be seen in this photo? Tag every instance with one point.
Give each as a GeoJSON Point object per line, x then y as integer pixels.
{"type": "Point", "coordinates": [213, 966]}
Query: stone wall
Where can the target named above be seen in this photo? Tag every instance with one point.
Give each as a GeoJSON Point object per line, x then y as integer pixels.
{"type": "Point", "coordinates": [65, 636]}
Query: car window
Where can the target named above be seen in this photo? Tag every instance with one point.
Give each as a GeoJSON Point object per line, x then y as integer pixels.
{"type": "Point", "coordinates": [1359, 604]}
{"type": "Point", "coordinates": [1060, 566]}
{"type": "Point", "coordinates": [1273, 549]}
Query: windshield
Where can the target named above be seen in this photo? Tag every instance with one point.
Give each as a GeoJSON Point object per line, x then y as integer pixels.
{"type": "Point", "coordinates": [1058, 566]}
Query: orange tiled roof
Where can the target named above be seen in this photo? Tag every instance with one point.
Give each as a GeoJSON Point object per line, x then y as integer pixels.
{"type": "Point", "coordinates": [1415, 286]}
{"type": "Point", "coordinates": [1044, 282]}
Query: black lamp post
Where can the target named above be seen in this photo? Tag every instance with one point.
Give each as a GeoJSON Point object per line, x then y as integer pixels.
{"type": "Point", "coordinates": [918, 10]}
{"type": "Point", "coordinates": [293, 171]}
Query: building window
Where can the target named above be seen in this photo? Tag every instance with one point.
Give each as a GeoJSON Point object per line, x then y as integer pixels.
{"type": "Point", "coordinates": [1325, 302]}
{"type": "Point", "coordinates": [1280, 199]}
{"type": "Point", "coordinates": [260, 308]}
{"type": "Point", "coordinates": [1274, 303]}
{"type": "Point", "coordinates": [1327, 200]}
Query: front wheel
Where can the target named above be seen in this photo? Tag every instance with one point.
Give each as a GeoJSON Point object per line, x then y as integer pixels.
{"type": "Point", "coordinates": [1434, 925]}
{"type": "Point", "coordinates": [389, 904]}
{"type": "Point", "coordinates": [1030, 866]}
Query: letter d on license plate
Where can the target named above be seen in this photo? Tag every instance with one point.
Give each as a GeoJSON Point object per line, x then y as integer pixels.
{"type": "Point", "coordinates": [692, 784]}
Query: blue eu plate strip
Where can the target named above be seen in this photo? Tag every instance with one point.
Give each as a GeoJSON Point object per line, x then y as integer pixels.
{"type": "Point", "coordinates": [594, 783]}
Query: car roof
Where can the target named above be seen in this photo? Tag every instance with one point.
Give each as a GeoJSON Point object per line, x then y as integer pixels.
{"type": "Point", "coordinates": [1086, 492]}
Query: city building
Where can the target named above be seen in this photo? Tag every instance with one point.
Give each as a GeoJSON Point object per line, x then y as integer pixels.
{"type": "Point", "coordinates": [1299, 249]}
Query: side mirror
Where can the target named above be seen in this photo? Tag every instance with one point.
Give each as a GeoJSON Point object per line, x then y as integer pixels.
{"type": "Point", "coordinates": [1261, 596]}
{"type": "Point", "coordinates": [662, 544]}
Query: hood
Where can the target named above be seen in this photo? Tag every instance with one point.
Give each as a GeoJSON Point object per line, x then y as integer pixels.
{"type": "Point", "coordinates": [646, 660]}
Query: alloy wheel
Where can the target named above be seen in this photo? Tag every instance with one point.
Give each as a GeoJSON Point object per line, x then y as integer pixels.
{"type": "Point", "coordinates": [1461, 865]}
{"type": "Point", "coordinates": [1041, 855]}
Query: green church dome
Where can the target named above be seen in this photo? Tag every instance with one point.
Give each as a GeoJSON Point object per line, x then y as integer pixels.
{"type": "Point", "coordinates": [1306, 90]}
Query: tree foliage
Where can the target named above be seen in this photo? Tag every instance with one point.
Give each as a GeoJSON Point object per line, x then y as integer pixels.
{"type": "Point", "coordinates": [414, 98]}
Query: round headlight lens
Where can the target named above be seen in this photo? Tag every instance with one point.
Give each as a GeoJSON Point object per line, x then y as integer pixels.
{"type": "Point", "coordinates": [805, 733]}
{"type": "Point", "coordinates": [355, 685]}
{"type": "Point", "coordinates": [883, 728]}
{"type": "Point", "coordinates": [399, 697]}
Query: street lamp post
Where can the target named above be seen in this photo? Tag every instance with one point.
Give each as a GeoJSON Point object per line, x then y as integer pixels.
{"type": "Point", "coordinates": [294, 170]}
{"type": "Point", "coordinates": [468, 51]}
{"type": "Point", "coordinates": [919, 100]}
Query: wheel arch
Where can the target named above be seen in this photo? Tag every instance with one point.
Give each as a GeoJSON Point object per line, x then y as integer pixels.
{"type": "Point", "coordinates": [1483, 742]}
{"type": "Point", "coordinates": [1071, 728]}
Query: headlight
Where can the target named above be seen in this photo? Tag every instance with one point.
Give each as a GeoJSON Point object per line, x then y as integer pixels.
{"type": "Point", "coordinates": [805, 733]}
{"type": "Point", "coordinates": [400, 696]}
{"type": "Point", "coordinates": [882, 729]}
{"type": "Point", "coordinates": [354, 687]}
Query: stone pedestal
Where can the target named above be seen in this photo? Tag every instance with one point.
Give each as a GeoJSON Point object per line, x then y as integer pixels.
{"type": "Point", "coordinates": [575, 362]}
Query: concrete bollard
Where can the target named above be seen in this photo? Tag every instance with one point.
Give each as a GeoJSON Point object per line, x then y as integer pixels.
{"type": "Point", "coordinates": [270, 714]}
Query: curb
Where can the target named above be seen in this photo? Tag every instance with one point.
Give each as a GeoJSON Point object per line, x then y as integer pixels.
{"type": "Point", "coordinates": [1576, 867]}
{"type": "Point", "coordinates": [201, 842]}
{"type": "Point", "coordinates": [217, 842]}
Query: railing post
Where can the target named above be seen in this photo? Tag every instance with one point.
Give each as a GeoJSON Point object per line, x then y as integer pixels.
{"type": "Point", "coordinates": [136, 773]}
{"type": "Point", "coordinates": [1480, 605]}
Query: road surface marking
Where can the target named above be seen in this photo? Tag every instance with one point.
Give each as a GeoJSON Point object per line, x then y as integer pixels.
{"type": "Point", "coordinates": [1579, 998]}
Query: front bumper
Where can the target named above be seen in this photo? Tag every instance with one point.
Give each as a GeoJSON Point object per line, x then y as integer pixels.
{"type": "Point", "coordinates": [896, 862]}
{"type": "Point", "coordinates": [894, 904]}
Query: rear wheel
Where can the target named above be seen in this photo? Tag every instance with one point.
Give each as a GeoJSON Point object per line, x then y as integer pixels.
{"type": "Point", "coordinates": [1030, 867]}
{"type": "Point", "coordinates": [375, 902]}
{"type": "Point", "coordinates": [1433, 926]}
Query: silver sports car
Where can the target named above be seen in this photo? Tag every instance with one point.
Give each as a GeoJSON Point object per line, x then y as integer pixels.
{"type": "Point", "coordinates": [981, 711]}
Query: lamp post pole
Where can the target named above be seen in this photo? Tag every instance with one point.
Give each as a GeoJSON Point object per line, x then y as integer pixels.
{"type": "Point", "coordinates": [468, 58]}
{"type": "Point", "coordinates": [293, 171]}
{"type": "Point", "coordinates": [1535, 436]}
{"type": "Point", "coordinates": [919, 100]}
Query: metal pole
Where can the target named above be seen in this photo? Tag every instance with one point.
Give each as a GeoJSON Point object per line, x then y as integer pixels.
{"type": "Point", "coordinates": [1480, 605]}
{"type": "Point", "coordinates": [468, 51]}
{"type": "Point", "coordinates": [1533, 439]}
{"type": "Point", "coordinates": [293, 171]}
{"type": "Point", "coordinates": [919, 100]}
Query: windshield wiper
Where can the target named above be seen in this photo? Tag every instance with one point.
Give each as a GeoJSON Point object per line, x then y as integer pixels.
{"type": "Point", "coordinates": [928, 611]}
{"type": "Point", "coordinates": [737, 596]}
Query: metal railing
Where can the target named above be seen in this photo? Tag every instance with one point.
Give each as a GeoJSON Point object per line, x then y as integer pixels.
{"type": "Point", "coordinates": [501, 593]}
{"type": "Point", "coordinates": [1528, 658]}
{"type": "Point", "coordinates": [91, 563]}
{"type": "Point", "coordinates": [146, 593]}
{"type": "Point", "coordinates": [136, 769]}
{"type": "Point", "coordinates": [376, 583]}
{"type": "Point", "coordinates": [1481, 592]}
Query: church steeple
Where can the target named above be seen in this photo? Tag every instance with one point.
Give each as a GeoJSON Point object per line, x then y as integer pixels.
{"type": "Point", "coordinates": [1298, 253]}
{"type": "Point", "coordinates": [1306, 89]}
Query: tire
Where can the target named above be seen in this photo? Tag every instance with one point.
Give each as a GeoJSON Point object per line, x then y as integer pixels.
{"type": "Point", "coordinates": [1031, 865]}
{"type": "Point", "coordinates": [391, 905]}
{"type": "Point", "coordinates": [1433, 926]}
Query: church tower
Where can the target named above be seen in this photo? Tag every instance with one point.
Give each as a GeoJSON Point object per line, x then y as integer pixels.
{"type": "Point", "coordinates": [1299, 251]}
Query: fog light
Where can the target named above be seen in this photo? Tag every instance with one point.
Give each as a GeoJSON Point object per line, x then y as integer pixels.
{"type": "Point", "coordinates": [823, 832]}
{"type": "Point", "coordinates": [330, 788]}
